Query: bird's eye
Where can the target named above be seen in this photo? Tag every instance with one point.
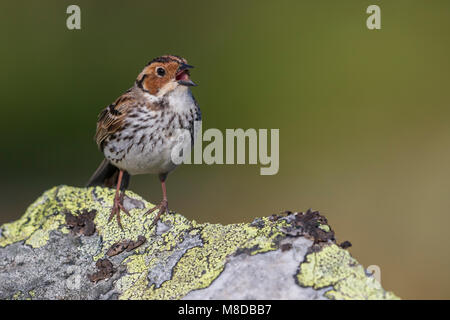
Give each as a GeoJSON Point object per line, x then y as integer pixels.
{"type": "Point", "coordinates": [160, 71]}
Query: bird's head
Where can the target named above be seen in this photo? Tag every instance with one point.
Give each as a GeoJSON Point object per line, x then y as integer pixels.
{"type": "Point", "coordinates": [165, 74]}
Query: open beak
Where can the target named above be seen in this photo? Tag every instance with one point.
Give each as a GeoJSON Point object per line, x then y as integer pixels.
{"type": "Point", "coordinates": [182, 76]}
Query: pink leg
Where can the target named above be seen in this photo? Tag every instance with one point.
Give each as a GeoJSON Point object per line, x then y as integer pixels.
{"type": "Point", "coordinates": [118, 202]}
{"type": "Point", "coordinates": [163, 206]}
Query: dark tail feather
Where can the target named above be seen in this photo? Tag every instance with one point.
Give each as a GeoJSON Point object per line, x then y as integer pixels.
{"type": "Point", "coordinates": [106, 175]}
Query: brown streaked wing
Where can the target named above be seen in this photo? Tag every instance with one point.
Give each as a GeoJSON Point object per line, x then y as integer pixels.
{"type": "Point", "coordinates": [111, 119]}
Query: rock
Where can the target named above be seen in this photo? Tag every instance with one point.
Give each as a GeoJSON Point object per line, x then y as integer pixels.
{"type": "Point", "coordinates": [64, 248]}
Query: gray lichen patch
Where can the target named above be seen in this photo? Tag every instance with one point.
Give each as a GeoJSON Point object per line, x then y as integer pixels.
{"type": "Point", "coordinates": [58, 270]}
{"type": "Point", "coordinates": [263, 276]}
{"type": "Point", "coordinates": [162, 270]}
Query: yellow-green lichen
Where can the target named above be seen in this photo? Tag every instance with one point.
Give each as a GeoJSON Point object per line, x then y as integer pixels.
{"type": "Point", "coordinates": [47, 214]}
{"type": "Point", "coordinates": [200, 265]}
{"type": "Point", "coordinates": [325, 227]}
{"type": "Point", "coordinates": [197, 266]}
{"type": "Point", "coordinates": [335, 267]}
{"type": "Point", "coordinates": [198, 261]}
{"type": "Point", "coordinates": [17, 295]}
{"type": "Point", "coordinates": [35, 225]}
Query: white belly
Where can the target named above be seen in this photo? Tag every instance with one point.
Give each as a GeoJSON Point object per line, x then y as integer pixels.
{"type": "Point", "coordinates": [149, 156]}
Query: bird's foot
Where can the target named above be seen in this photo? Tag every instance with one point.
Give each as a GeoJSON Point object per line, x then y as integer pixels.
{"type": "Point", "coordinates": [163, 207]}
{"type": "Point", "coordinates": [117, 206]}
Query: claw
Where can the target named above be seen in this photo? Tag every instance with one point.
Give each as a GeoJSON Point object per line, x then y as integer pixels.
{"type": "Point", "coordinates": [117, 207]}
{"type": "Point", "coordinates": [163, 207]}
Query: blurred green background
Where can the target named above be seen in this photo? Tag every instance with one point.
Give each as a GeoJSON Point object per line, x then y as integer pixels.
{"type": "Point", "coordinates": [363, 115]}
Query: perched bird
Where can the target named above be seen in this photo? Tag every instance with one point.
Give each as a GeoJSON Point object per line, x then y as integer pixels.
{"type": "Point", "coordinates": [138, 132]}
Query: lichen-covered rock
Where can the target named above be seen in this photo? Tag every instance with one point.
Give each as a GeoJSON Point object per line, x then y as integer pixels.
{"type": "Point", "coordinates": [64, 248]}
